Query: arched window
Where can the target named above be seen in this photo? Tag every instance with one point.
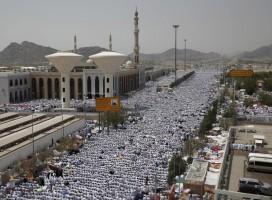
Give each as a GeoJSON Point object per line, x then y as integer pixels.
{"type": "Point", "coordinates": [104, 84]}
{"type": "Point", "coordinates": [25, 94]}
{"type": "Point", "coordinates": [49, 88]}
{"type": "Point", "coordinates": [80, 88]}
{"type": "Point", "coordinates": [11, 100]}
{"type": "Point", "coordinates": [34, 88]}
{"type": "Point", "coordinates": [72, 88]}
{"type": "Point", "coordinates": [21, 96]}
{"type": "Point", "coordinates": [41, 86]}
{"type": "Point", "coordinates": [10, 82]}
{"type": "Point", "coordinates": [16, 97]}
{"type": "Point", "coordinates": [96, 86]}
{"type": "Point", "coordinates": [57, 88]}
{"type": "Point", "coordinates": [89, 87]}
{"type": "Point", "coordinates": [16, 82]}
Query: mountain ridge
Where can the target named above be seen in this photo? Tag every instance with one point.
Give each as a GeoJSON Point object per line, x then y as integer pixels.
{"type": "Point", "coordinates": [262, 54]}
{"type": "Point", "coordinates": [32, 54]}
{"type": "Point", "coordinates": [29, 53]}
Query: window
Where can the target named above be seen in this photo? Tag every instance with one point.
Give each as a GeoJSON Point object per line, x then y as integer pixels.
{"type": "Point", "coordinates": [16, 82]}
{"type": "Point", "coordinates": [10, 83]}
{"type": "Point", "coordinates": [252, 183]}
{"type": "Point", "coordinates": [63, 79]}
{"type": "Point", "coordinates": [21, 82]}
{"type": "Point", "coordinates": [63, 100]}
{"type": "Point", "coordinates": [63, 89]}
{"type": "Point", "coordinates": [108, 80]}
{"type": "Point", "coordinates": [264, 164]}
{"type": "Point", "coordinates": [25, 81]}
{"type": "Point", "coordinates": [108, 90]}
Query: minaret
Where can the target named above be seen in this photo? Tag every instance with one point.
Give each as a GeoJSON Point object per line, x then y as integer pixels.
{"type": "Point", "coordinates": [75, 44]}
{"type": "Point", "coordinates": [110, 43]}
{"type": "Point", "coordinates": [136, 38]}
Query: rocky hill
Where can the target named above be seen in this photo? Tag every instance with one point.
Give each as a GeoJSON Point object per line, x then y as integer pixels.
{"type": "Point", "coordinates": [262, 54]}
{"type": "Point", "coordinates": [31, 54]}
{"type": "Point", "coordinates": [87, 51]}
{"type": "Point", "coordinates": [26, 53]}
{"type": "Point", "coordinates": [169, 55]}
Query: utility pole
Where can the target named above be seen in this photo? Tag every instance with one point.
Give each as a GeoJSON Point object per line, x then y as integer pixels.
{"type": "Point", "coordinates": [75, 43]}
{"type": "Point", "coordinates": [62, 122]}
{"type": "Point", "coordinates": [175, 27]}
{"type": "Point", "coordinates": [84, 107]}
{"type": "Point", "coordinates": [110, 43]}
{"type": "Point", "coordinates": [185, 55]}
{"type": "Point", "coordinates": [33, 134]}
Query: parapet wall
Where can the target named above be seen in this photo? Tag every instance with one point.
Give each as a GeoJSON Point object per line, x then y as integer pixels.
{"type": "Point", "coordinates": [181, 79]}
{"type": "Point", "coordinates": [26, 148]}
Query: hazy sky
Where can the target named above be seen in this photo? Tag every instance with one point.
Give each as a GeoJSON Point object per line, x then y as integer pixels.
{"type": "Point", "coordinates": [224, 26]}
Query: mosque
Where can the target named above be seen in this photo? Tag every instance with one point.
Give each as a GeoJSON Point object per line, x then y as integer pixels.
{"type": "Point", "coordinates": [104, 74]}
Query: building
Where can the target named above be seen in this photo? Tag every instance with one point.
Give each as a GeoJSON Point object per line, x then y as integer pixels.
{"type": "Point", "coordinates": [85, 80]}
{"type": "Point", "coordinates": [14, 86]}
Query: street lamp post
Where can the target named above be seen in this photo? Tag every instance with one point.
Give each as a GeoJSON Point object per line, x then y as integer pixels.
{"type": "Point", "coordinates": [32, 134]}
{"type": "Point", "coordinates": [84, 107]}
{"type": "Point", "coordinates": [175, 27]}
{"type": "Point", "coordinates": [185, 55]}
{"type": "Point", "coordinates": [62, 121]}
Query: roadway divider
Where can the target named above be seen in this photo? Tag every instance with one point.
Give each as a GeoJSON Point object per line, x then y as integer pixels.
{"type": "Point", "coordinates": [181, 79]}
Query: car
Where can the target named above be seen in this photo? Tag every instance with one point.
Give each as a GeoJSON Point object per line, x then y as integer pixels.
{"type": "Point", "coordinates": [254, 186]}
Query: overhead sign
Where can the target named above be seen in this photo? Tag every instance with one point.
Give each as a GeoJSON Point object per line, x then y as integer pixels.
{"type": "Point", "coordinates": [108, 104]}
{"type": "Point", "coordinates": [241, 73]}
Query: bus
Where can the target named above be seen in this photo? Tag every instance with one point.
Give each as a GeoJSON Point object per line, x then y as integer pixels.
{"type": "Point", "coordinates": [260, 155]}
{"type": "Point", "coordinates": [259, 162]}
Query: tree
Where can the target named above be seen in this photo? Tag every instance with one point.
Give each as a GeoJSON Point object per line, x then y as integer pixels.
{"type": "Point", "coordinates": [248, 102]}
{"type": "Point", "coordinates": [114, 118]}
{"type": "Point", "coordinates": [250, 85]}
{"type": "Point", "coordinates": [192, 145]}
{"type": "Point", "coordinates": [208, 120]}
{"type": "Point", "coordinates": [265, 99]}
{"type": "Point", "coordinates": [230, 112]}
{"type": "Point", "coordinates": [268, 85]}
{"type": "Point", "coordinates": [177, 166]}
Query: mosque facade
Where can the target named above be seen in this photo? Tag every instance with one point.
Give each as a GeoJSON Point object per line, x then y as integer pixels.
{"type": "Point", "coordinates": [87, 81]}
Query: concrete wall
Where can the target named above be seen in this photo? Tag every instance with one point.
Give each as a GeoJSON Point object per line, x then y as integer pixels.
{"type": "Point", "coordinates": [4, 90]}
{"type": "Point", "coordinates": [39, 144]}
{"type": "Point", "coordinates": [265, 119]}
{"type": "Point", "coordinates": [152, 75]}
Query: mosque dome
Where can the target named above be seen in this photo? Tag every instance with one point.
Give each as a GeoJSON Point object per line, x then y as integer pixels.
{"type": "Point", "coordinates": [108, 60]}
{"type": "Point", "coordinates": [129, 64]}
{"type": "Point", "coordinates": [90, 61]}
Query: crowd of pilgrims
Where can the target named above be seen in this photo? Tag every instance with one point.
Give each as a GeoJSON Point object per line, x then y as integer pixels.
{"type": "Point", "coordinates": [130, 163]}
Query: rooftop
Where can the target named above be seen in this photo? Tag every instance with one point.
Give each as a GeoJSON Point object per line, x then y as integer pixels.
{"type": "Point", "coordinates": [197, 171]}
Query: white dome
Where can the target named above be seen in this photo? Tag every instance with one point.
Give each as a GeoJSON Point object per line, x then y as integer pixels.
{"type": "Point", "coordinates": [63, 54]}
{"type": "Point", "coordinates": [64, 61]}
{"type": "Point", "coordinates": [109, 61]}
{"type": "Point", "coordinates": [129, 64]}
{"type": "Point", "coordinates": [90, 61]}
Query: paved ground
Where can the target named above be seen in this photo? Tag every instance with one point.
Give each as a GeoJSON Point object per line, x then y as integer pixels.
{"type": "Point", "coordinates": [238, 170]}
{"type": "Point", "coordinates": [246, 137]}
